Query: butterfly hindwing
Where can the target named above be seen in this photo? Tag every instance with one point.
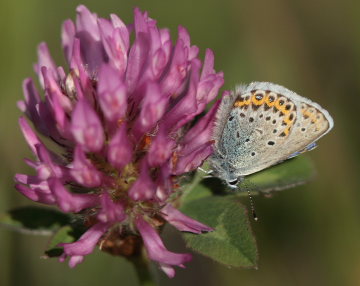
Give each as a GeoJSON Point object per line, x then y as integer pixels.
{"type": "Point", "coordinates": [263, 124]}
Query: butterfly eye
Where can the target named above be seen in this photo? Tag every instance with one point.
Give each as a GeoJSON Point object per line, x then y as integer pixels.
{"type": "Point", "coordinates": [233, 182]}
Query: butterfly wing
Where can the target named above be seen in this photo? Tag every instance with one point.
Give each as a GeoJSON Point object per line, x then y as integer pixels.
{"type": "Point", "coordinates": [266, 124]}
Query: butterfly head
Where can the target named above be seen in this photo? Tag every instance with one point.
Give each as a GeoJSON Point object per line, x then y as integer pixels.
{"type": "Point", "coordinates": [223, 170]}
{"type": "Point", "coordinates": [233, 183]}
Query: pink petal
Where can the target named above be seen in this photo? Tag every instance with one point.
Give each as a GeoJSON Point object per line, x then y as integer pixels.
{"type": "Point", "coordinates": [86, 127]}
{"type": "Point", "coordinates": [143, 188]}
{"type": "Point", "coordinates": [168, 270]}
{"type": "Point", "coordinates": [36, 194]}
{"type": "Point", "coordinates": [178, 70]}
{"type": "Point", "coordinates": [53, 89]}
{"type": "Point", "coordinates": [137, 58]}
{"type": "Point", "coordinates": [48, 167]}
{"type": "Point", "coordinates": [30, 136]}
{"type": "Point", "coordinates": [158, 63]}
{"type": "Point", "coordinates": [87, 22]}
{"type": "Point", "coordinates": [152, 108]}
{"type": "Point", "coordinates": [201, 133]}
{"type": "Point", "coordinates": [165, 35]}
{"type": "Point", "coordinates": [164, 183]}
{"type": "Point", "coordinates": [193, 160]}
{"type": "Point", "coordinates": [67, 38]}
{"type": "Point", "coordinates": [114, 45]}
{"type": "Point", "coordinates": [208, 89]}
{"type": "Point", "coordinates": [186, 109]}
{"type": "Point", "coordinates": [120, 149]}
{"type": "Point", "coordinates": [140, 20]}
{"type": "Point", "coordinates": [111, 211]}
{"type": "Point", "coordinates": [79, 66]}
{"type": "Point", "coordinates": [75, 260]}
{"type": "Point", "coordinates": [156, 249]}
{"type": "Point", "coordinates": [208, 67]}
{"type": "Point", "coordinates": [32, 98]}
{"type": "Point", "coordinates": [112, 93]}
{"type": "Point", "coordinates": [121, 27]}
{"type": "Point", "coordinates": [71, 202]}
{"type": "Point", "coordinates": [85, 245]}
{"type": "Point", "coordinates": [45, 60]}
{"type": "Point", "coordinates": [160, 149]}
{"type": "Point", "coordinates": [183, 222]}
{"type": "Point", "coordinates": [83, 171]}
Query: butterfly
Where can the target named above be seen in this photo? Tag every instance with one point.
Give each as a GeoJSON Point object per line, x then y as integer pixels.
{"type": "Point", "coordinates": [260, 125]}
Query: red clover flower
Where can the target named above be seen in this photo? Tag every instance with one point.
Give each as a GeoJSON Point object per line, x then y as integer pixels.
{"type": "Point", "coordinates": [121, 119]}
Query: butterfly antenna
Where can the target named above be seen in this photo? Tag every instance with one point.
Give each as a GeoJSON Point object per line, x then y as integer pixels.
{"type": "Point", "coordinates": [246, 184]}
{"type": "Point", "coordinates": [252, 206]}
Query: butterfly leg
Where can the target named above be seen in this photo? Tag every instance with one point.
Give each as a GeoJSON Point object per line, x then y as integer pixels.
{"type": "Point", "coordinates": [208, 172]}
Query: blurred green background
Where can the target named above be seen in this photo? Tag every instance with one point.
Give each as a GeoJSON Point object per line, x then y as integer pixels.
{"type": "Point", "coordinates": [309, 235]}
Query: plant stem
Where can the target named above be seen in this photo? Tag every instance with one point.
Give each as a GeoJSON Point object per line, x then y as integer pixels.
{"type": "Point", "coordinates": [199, 175]}
{"type": "Point", "coordinates": [142, 268]}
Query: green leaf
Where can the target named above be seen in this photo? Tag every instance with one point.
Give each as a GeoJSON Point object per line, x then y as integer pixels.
{"type": "Point", "coordinates": [66, 234]}
{"type": "Point", "coordinates": [201, 185]}
{"type": "Point", "coordinates": [232, 243]}
{"type": "Point", "coordinates": [200, 191]}
{"type": "Point", "coordinates": [34, 220]}
{"type": "Point", "coordinates": [283, 176]}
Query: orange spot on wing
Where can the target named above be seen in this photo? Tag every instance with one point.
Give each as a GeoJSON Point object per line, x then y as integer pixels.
{"type": "Point", "coordinates": [238, 103]}
{"type": "Point", "coordinates": [241, 102]}
{"type": "Point", "coordinates": [268, 100]}
{"type": "Point", "coordinates": [281, 107]}
{"type": "Point", "coordinates": [287, 130]}
{"type": "Point", "coordinates": [307, 114]}
{"type": "Point", "coordinates": [256, 101]}
{"type": "Point", "coordinates": [288, 121]}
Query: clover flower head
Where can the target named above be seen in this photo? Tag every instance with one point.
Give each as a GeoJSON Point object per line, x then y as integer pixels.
{"type": "Point", "coordinates": [121, 117]}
